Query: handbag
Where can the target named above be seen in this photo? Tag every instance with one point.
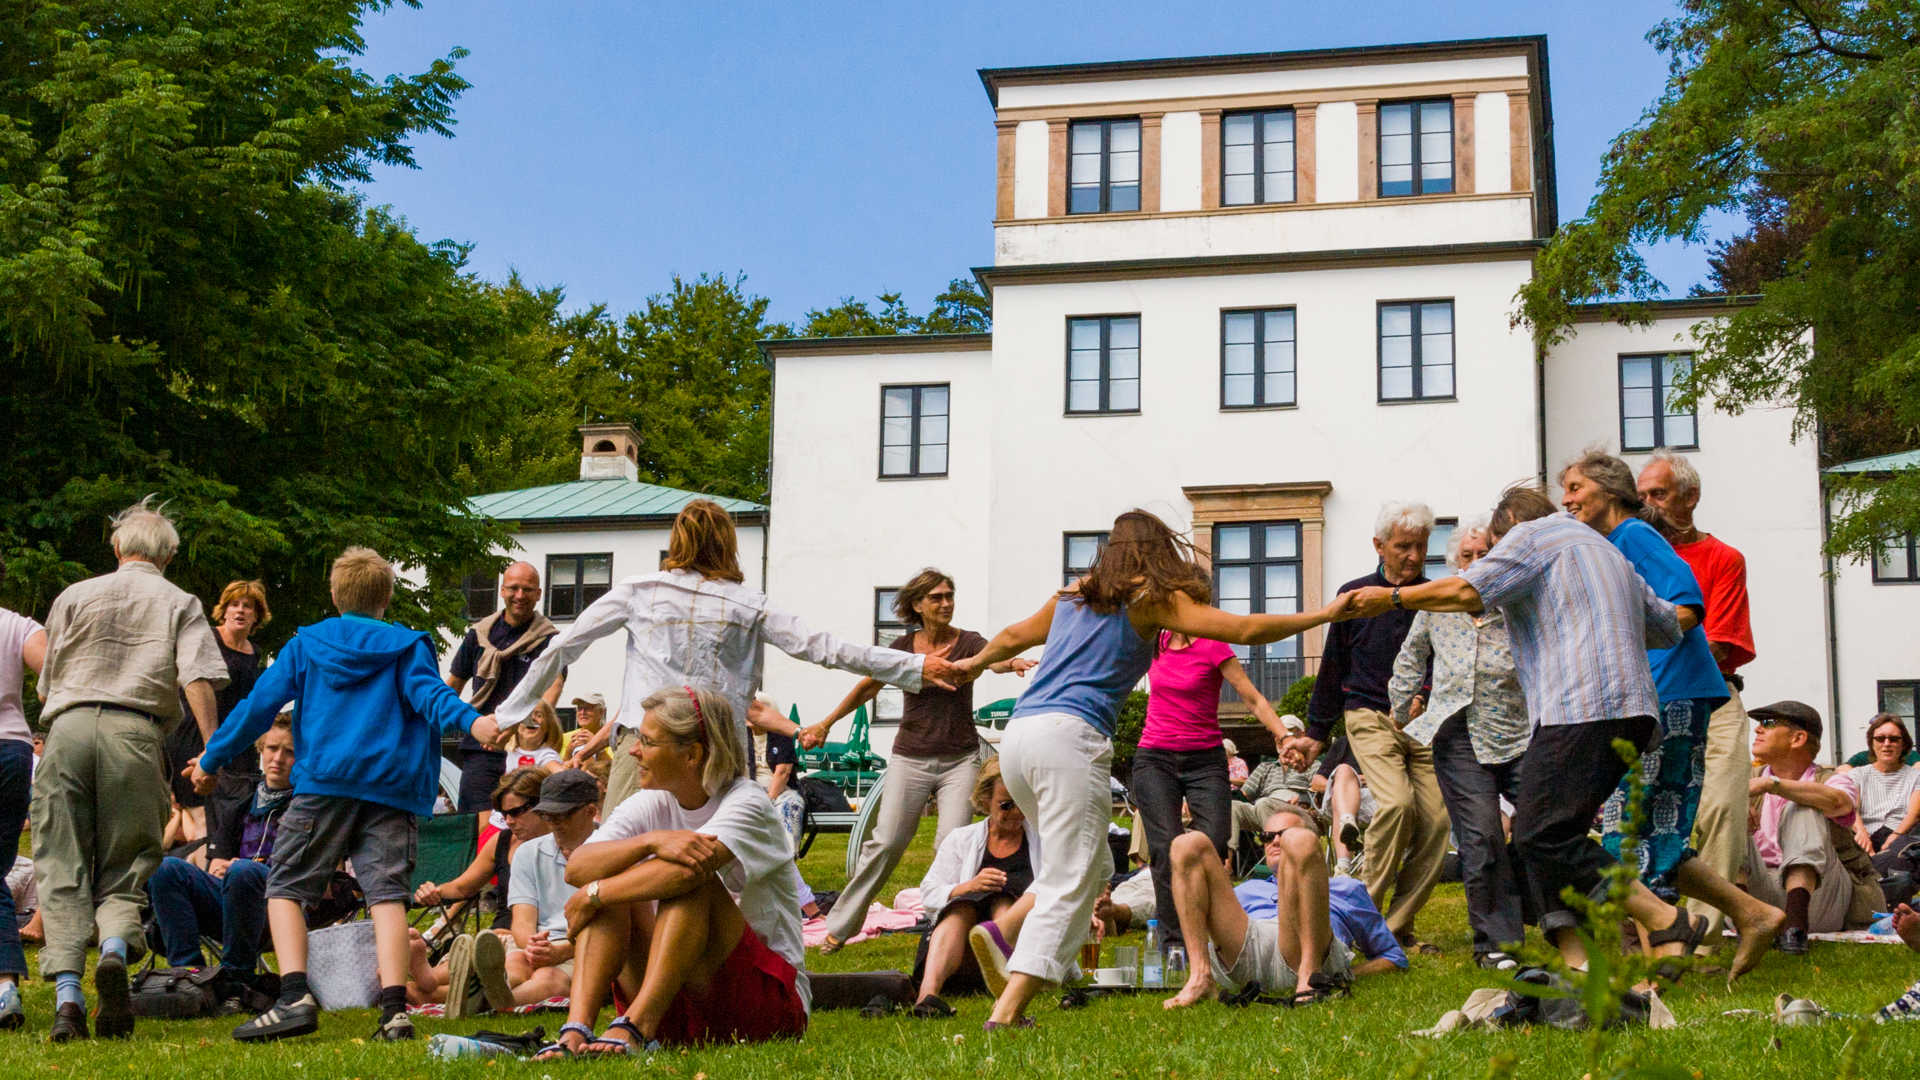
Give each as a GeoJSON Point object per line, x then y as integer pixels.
{"type": "Point", "coordinates": [173, 993]}
{"type": "Point", "coordinates": [342, 968]}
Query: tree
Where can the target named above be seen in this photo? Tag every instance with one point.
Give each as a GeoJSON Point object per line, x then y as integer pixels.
{"type": "Point", "coordinates": [1804, 108]}
{"type": "Point", "coordinates": [190, 305]}
{"type": "Point", "coordinates": [961, 309]}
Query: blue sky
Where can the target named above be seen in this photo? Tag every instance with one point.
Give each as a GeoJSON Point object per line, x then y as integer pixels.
{"type": "Point", "coordinates": [827, 149]}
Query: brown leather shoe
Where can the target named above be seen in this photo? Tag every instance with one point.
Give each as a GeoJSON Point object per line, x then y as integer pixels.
{"type": "Point", "coordinates": [69, 1024]}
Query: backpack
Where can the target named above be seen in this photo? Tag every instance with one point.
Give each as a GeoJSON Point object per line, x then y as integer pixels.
{"type": "Point", "coordinates": [822, 797]}
{"type": "Point", "coordinates": [173, 993]}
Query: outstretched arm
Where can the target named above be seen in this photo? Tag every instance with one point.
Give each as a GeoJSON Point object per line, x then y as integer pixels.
{"type": "Point", "coordinates": [1236, 676]}
{"type": "Point", "coordinates": [1185, 615]}
{"type": "Point", "coordinates": [1013, 640]}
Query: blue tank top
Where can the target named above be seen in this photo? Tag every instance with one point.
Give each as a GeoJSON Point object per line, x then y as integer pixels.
{"type": "Point", "coordinates": [1091, 663]}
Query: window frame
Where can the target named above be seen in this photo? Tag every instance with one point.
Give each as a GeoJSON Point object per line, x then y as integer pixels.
{"type": "Point", "coordinates": [1880, 688]}
{"type": "Point", "coordinates": [914, 471]}
{"type": "Point", "coordinates": [1258, 560]}
{"type": "Point", "coordinates": [1419, 366]}
{"type": "Point", "coordinates": [1419, 181]}
{"type": "Point", "coordinates": [1662, 385]}
{"type": "Point", "coordinates": [1260, 154]}
{"type": "Point", "coordinates": [1068, 573]}
{"type": "Point", "coordinates": [889, 707]}
{"type": "Point", "coordinates": [1106, 163]}
{"type": "Point", "coordinates": [579, 588]}
{"type": "Point", "coordinates": [1259, 358]}
{"type": "Point", "coordinates": [1427, 567]}
{"type": "Point", "coordinates": [1913, 564]}
{"type": "Point", "coordinates": [1106, 365]}
{"type": "Point", "coordinates": [469, 590]}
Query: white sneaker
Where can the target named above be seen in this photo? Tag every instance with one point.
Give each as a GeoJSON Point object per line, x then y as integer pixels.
{"type": "Point", "coordinates": [1350, 834]}
{"type": "Point", "coordinates": [1343, 867]}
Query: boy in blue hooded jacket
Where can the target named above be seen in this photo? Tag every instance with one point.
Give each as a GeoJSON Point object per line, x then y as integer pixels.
{"type": "Point", "coordinates": [372, 709]}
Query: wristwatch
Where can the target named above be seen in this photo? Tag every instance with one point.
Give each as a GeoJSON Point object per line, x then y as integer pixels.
{"type": "Point", "coordinates": [593, 894]}
{"type": "Point", "coordinates": [1394, 599]}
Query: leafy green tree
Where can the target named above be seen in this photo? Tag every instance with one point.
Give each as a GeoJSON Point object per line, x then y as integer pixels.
{"type": "Point", "coordinates": [961, 309]}
{"type": "Point", "coordinates": [1808, 107]}
{"type": "Point", "coordinates": [190, 305]}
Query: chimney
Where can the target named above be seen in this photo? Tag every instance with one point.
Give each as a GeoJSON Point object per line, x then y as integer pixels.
{"type": "Point", "coordinates": [609, 452]}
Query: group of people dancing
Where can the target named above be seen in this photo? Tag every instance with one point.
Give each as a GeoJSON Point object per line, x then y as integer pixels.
{"type": "Point", "coordinates": [677, 900]}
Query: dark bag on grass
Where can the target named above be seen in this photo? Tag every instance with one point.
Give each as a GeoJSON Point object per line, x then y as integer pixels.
{"type": "Point", "coordinates": [822, 797]}
{"type": "Point", "coordinates": [173, 993]}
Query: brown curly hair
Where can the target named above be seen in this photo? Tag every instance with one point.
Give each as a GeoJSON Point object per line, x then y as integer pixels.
{"type": "Point", "coordinates": [1144, 562]}
{"type": "Point", "coordinates": [915, 591]}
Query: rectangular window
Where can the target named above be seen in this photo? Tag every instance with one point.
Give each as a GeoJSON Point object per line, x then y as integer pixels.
{"type": "Point", "coordinates": [1649, 415]}
{"type": "Point", "coordinates": [913, 430]}
{"type": "Point", "coordinates": [1416, 148]}
{"type": "Point", "coordinates": [888, 705]}
{"type": "Point", "coordinates": [482, 592]}
{"type": "Point", "coordinates": [1897, 559]}
{"type": "Point", "coordinates": [1898, 696]}
{"type": "Point", "coordinates": [1416, 350]}
{"type": "Point", "coordinates": [1437, 541]}
{"type": "Point", "coordinates": [1256, 158]}
{"type": "Point", "coordinates": [1103, 170]}
{"type": "Point", "coordinates": [574, 581]}
{"type": "Point", "coordinates": [1256, 358]}
{"type": "Point", "coordinates": [1256, 570]}
{"type": "Point", "coordinates": [1078, 553]}
{"type": "Point", "coordinates": [1103, 364]}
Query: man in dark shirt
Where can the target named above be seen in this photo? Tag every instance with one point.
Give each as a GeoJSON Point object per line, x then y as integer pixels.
{"type": "Point", "coordinates": [494, 656]}
{"type": "Point", "coordinates": [1408, 836]}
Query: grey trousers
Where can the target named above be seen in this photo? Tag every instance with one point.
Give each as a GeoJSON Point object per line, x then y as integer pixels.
{"type": "Point", "coordinates": [100, 803]}
{"type": "Point", "coordinates": [910, 782]}
{"type": "Point", "coordinates": [1804, 841]}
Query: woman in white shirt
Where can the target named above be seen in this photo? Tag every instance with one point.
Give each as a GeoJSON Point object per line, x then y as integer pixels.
{"type": "Point", "coordinates": [694, 622]}
{"type": "Point", "coordinates": [979, 878]}
{"type": "Point", "coordinates": [688, 905]}
{"type": "Point", "coordinates": [1889, 790]}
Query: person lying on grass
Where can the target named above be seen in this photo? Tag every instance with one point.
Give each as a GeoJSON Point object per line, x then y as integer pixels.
{"type": "Point", "coordinates": [688, 904]}
{"type": "Point", "coordinates": [1296, 952]}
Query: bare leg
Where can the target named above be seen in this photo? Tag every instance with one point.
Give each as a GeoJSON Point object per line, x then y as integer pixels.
{"type": "Point", "coordinates": [426, 981]}
{"type": "Point", "coordinates": [1655, 914]}
{"type": "Point", "coordinates": [1302, 887]}
{"type": "Point", "coordinates": [1012, 917]}
{"type": "Point", "coordinates": [1343, 798]}
{"type": "Point", "coordinates": [1209, 911]}
{"type": "Point", "coordinates": [600, 955]}
{"type": "Point", "coordinates": [1758, 922]}
{"type": "Point", "coordinates": [288, 925]}
{"type": "Point", "coordinates": [389, 941]}
{"type": "Point", "coordinates": [539, 985]}
{"type": "Point", "coordinates": [1011, 1005]}
{"type": "Point", "coordinates": [946, 949]}
{"type": "Point", "coordinates": [694, 933]}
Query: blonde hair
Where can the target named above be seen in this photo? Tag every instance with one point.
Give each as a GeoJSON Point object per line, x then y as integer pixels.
{"type": "Point", "coordinates": [702, 717]}
{"type": "Point", "coordinates": [704, 541]}
{"type": "Point", "coordinates": [144, 531]}
{"type": "Point", "coordinates": [361, 581]}
{"type": "Point", "coordinates": [549, 727]}
{"type": "Point", "coordinates": [251, 592]}
{"type": "Point", "coordinates": [982, 797]}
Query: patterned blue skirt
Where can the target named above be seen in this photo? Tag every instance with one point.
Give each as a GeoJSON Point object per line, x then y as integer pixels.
{"type": "Point", "coordinates": [1672, 772]}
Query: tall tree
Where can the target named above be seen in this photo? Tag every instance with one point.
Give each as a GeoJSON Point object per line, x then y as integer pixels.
{"type": "Point", "coordinates": [961, 309]}
{"type": "Point", "coordinates": [1810, 102]}
{"type": "Point", "coordinates": [190, 305]}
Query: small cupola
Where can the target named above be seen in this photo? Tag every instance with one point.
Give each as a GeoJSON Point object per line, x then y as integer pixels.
{"type": "Point", "coordinates": [609, 452]}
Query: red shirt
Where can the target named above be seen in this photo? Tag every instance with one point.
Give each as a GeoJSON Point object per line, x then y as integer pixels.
{"type": "Point", "coordinates": [1722, 573]}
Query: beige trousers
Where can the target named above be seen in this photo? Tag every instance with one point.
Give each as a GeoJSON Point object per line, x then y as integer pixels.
{"type": "Point", "coordinates": [1720, 826]}
{"type": "Point", "coordinates": [1407, 839]}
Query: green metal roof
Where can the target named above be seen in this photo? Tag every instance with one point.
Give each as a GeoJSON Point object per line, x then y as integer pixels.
{"type": "Point", "coordinates": [1909, 459]}
{"type": "Point", "coordinates": [597, 500]}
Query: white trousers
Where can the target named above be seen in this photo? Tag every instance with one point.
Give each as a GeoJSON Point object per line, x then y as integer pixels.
{"type": "Point", "coordinates": [1056, 767]}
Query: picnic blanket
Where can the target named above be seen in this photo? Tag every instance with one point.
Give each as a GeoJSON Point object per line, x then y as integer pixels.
{"type": "Point", "coordinates": [1844, 937]}
{"type": "Point", "coordinates": [438, 1009]}
{"type": "Point", "coordinates": [905, 914]}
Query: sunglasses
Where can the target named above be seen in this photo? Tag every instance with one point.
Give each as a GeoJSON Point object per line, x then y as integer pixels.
{"type": "Point", "coordinates": [516, 811]}
{"type": "Point", "coordinates": [1771, 722]}
{"type": "Point", "coordinates": [1886, 738]}
{"type": "Point", "coordinates": [1268, 836]}
{"type": "Point", "coordinates": [1005, 805]}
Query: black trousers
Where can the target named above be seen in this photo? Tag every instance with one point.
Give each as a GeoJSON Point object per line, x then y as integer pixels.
{"type": "Point", "coordinates": [1565, 777]}
{"type": "Point", "coordinates": [1161, 780]}
{"type": "Point", "coordinates": [1472, 792]}
{"type": "Point", "coordinates": [480, 773]}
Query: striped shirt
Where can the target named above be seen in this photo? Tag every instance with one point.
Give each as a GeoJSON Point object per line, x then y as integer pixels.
{"type": "Point", "coordinates": [1581, 620]}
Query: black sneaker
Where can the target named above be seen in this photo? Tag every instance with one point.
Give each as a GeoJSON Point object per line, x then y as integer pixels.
{"type": "Point", "coordinates": [113, 1019]}
{"type": "Point", "coordinates": [395, 1028]}
{"type": "Point", "coordinates": [285, 1020]}
{"type": "Point", "coordinates": [1496, 961]}
{"type": "Point", "coordinates": [1792, 941]}
{"type": "Point", "coordinates": [69, 1024]}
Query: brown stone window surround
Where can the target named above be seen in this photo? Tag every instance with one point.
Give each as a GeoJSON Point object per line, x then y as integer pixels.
{"type": "Point", "coordinates": [1301, 501]}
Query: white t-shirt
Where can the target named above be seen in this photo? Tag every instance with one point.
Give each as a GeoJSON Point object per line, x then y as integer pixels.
{"type": "Point", "coordinates": [540, 878]}
{"type": "Point", "coordinates": [761, 876]}
{"type": "Point", "coordinates": [1884, 796]}
{"type": "Point", "coordinates": [538, 758]}
{"type": "Point", "coordinates": [15, 629]}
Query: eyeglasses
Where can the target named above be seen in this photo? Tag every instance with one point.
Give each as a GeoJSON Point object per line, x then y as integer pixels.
{"type": "Point", "coordinates": [1268, 836]}
{"type": "Point", "coordinates": [515, 812]}
{"type": "Point", "coordinates": [1886, 738]}
{"type": "Point", "coordinates": [1005, 805]}
{"type": "Point", "coordinates": [940, 598]}
{"type": "Point", "coordinates": [650, 743]}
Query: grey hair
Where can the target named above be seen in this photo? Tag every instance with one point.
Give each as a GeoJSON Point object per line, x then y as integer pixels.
{"type": "Point", "coordinates": [1478, 523]}
{"type": "Point", "coordinates": [143, 531]}
{"type": "Point", "coordinates": [1412, 516]}
{"type": "Point", "coordinates": [1608, 473]}
{"type": "Point", "coordinates": [1686, 478]}
{"type": "Point", "coordinates": [709, 722]}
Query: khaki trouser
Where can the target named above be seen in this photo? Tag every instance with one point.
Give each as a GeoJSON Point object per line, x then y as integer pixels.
{"type": "Point", "coordinates": [623, 778]}
{"type": "Point", "coordinates": [100, 804]}
{"type": "Point", "coordinates": [1407, 840]}
{"type": "Point", "coordinates": [1804, 841]}
{"type": "Point", "coordinates": [909, 784]}
{"type": "Point", "coordinates": [1720, 826]}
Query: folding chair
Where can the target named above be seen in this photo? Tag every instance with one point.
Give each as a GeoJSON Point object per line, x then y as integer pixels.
{"type": "Point", "coordinates": [446, 847]}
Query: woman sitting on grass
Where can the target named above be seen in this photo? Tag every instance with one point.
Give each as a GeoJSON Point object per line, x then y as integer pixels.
{"type": "Point", "coordinates": [979, 878]}
{"type": "Point", "coordinates": [688, 905]}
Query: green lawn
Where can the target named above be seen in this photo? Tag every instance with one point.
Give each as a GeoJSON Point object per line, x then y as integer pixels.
{"type": "Point", "coordinates": [1365, 1036]}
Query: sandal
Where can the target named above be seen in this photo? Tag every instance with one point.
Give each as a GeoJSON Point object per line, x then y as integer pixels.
{"type": "Point", "coordinates": [606, 1046]}
{"type": "Point", "coordinates": [932, 1008]}
{"type": "Point", "coordinates": [1242, 997]}
{"type": "Point", "coordinates": [1021, 1024]}
{"type": "Point", "coordinates": [1686, 930]}
{"type": "Point", "coordinates": [558, 1049]}
{"type": "Point", "coordinates": [831, 945]}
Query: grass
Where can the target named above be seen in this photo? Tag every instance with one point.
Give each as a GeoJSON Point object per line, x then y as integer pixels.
{"type": "Point", "coordinates": [1366, 1036]}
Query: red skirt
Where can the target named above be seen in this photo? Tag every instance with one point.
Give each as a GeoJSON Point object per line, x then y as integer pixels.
{"type": "Point", "coordinates": [752, 998]}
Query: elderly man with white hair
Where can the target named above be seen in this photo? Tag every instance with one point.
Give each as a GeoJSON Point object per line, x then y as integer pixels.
{"type": "Point", "coordinates": [122, 650]}
{"type": "Point", "coordinates": [1407, 840]}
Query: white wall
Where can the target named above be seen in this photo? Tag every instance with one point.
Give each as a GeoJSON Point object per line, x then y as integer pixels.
{"type": "Point", "coordinates": [1030, 169]}
{"type": "Point", "coordinates": [1877, 641]}
{"type": "Point", "coordinates": [1396, 223]}
{"type": "Point", "coordinates": [1358, 76]}
{"type": "Point", "coordinates": [1180, 161]}
{"type": "Point", "coordinates": [1759, 493]}
{"type": "Point", "coordinates": [1336, 152]}
{"type": "Point", "coordinates": [1492, 143]}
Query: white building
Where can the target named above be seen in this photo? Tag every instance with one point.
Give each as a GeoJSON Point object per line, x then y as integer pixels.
{"type": "Point", "coordinates": [1875, 659]}
{"type": "Point", "coordinates": [1257, 295]}
{"type": "Point", "coordinates": [586, 534]}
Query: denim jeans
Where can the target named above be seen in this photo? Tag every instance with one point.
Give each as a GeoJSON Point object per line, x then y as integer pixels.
{"type": "Point", "coordinates": [16, 763]}
{"type": "Point", "coordinates": [189, 903]}
{"type": "Point", "coordinates": [1161, 779]}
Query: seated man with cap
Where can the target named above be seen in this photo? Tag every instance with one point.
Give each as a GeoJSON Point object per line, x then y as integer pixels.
{"type": "Point", "coordinates": [1793, 858]}
{"type": "Point", "coordinates": [590, 716]}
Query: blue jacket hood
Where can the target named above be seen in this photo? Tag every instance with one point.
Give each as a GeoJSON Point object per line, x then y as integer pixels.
{"type": "Point", "coordinates": [350, 650]}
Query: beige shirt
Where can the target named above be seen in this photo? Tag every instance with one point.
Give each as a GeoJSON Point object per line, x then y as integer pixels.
{"type": "Point", "coordinates": [130, 638]}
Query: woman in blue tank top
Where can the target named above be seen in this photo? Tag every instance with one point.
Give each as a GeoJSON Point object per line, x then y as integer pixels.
{"type": "Point", "coordinates": [1099, 635]}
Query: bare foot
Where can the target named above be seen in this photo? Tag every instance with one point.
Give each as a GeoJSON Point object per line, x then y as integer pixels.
{"type": "Point", "coordinates": [1198, 989]}
{"type": "Point", "coordinates": [1755, 939]}
{"type": "Point", "coordinates": [1906, 923]}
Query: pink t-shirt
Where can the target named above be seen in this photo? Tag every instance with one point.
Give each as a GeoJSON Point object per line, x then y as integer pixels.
{"type": "Point", "coordinates": [1183, 696]}
{"type": "Point", "coordinates": [1766, 839]}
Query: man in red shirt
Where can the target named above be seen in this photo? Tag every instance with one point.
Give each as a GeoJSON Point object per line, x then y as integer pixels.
{"type": "Point", "coordinates": [1672, 486]}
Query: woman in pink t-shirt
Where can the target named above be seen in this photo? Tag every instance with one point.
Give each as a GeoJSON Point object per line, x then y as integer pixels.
{"type": "Point", "coordinates": [1181, 758]}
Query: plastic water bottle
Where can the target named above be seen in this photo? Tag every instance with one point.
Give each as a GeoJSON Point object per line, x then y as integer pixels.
{"type": "Point", "coordinates": [447, 1047]}
{"type": "Point", "coordinates": [1176, 964]}
{"type": "Point", "coordinates": [1152, 969]}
